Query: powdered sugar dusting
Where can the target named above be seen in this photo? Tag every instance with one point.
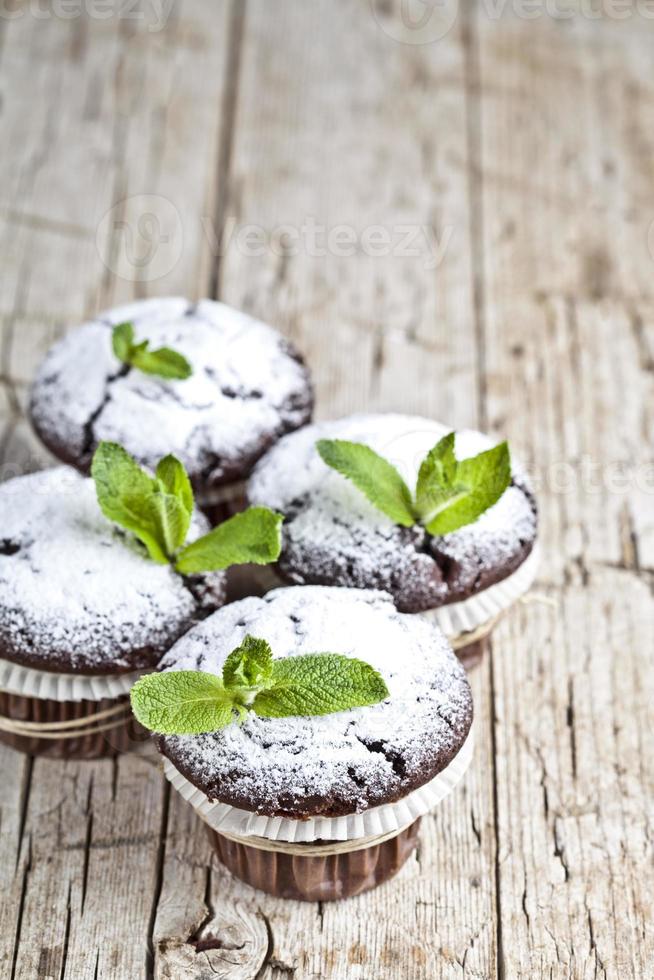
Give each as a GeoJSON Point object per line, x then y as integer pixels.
{"type": "Point", "coordinates": [76, 593]}
{"type": "Point", "coordinates": [333, 534]}
{"type": "Point", "coordinates": [340, 763]}
{"type": "Point", "coordinates": [247, 388]}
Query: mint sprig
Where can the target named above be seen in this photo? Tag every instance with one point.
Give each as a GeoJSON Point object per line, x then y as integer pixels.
{"type": "Point", "coordinates": [164, 362]}
{"type": "Point", "coordinates": [158, 511]}
{"type": "Point", "coordinates": [449, 493]}
{"type": "Point", "coordinates": [188, 702]}
{"type": "Point", "coordinates": [373, 475]}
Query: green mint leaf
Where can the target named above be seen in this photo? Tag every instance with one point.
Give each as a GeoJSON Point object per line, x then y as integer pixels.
{"type": "Point", "coordinates": [122, 341]}
{"type": "Point", "coordinates": [480, 482]}
{"type": "Point", "coordinates": [182, 702]}
{"type": "Point", "coordinates": [164, 362]}
{"type": "Point", "coordinates": [253, 536]}
{"type": "Point", "coordinates": [173, 479]}
{"type": "Point", "coordinates": [170, 519]}
{"type": "Point", "coordinates": [124, 491]}
{"type": "Point", "coordinates": [437, 484]}
{"type": "Point", "coordinates": [249, 666]}
{"type": "Point", "coordinates": [319, 684]}
{"type": "Point", "coordinates": [190, 702]}
{"type": "Point", "coordinates": [373, 475]}
{"type": "Point", "coordinates": [158, 511]}
{"type": "Point", "coordinates": [438, 469]}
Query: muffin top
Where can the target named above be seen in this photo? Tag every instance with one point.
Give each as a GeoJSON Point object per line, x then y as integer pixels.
{"type": "Point", "coordinates": [329, 765]}
{"type": "Point", "coordinates": [247, 388]}
{"type": "Point", "coordinates": [334, 536]}
{"type": "Point", "coordinates": [79, 595]}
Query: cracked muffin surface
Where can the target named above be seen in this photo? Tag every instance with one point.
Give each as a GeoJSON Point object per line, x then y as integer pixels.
{"type": "Point", "coordinates": [78, 594]}
{"type": "Point", "coordinates": [333, 535]}
{"type": "Point", "coordinates": [248, 387]}
{"type": "Point", "coordinates": [335, 764]}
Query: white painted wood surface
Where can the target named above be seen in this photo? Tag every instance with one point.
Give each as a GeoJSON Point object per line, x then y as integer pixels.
{"type": "Point", "coordinates": [269, 153]}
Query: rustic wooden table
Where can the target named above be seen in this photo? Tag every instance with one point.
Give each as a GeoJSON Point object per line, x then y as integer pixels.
{"type": "Point", "coordinates": [451, 214]}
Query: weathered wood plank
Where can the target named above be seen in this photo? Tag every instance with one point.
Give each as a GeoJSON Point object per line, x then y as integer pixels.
{"type": "Point", "coordinates": [380, 331]}
{"type": "Point", "coordinates": [529, 306]}
{"type": "Point", "coordinates": [338, 172]}
{"type": "Point", "coordinates": [16, 775]}
{"type": "Point", "coordinates": [103, 111]}
{"type": "Point", "coordinates": [567, 300]}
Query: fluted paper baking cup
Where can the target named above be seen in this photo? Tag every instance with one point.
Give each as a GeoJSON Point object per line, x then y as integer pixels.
{"type": "Point", "coordinates": [470, 614]}
{"type": "Point", "coordinates": [31, 683]}
{"type": "Point", "coordinates": [385, 819]}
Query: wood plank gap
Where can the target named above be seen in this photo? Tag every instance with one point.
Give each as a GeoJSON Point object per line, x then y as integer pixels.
{"type": "Point", "coordinates": [24, 802]}
{"type": "Point", "coordinates": [21, 909]}
{"type": "Point", "coordinates": [473, 110]}
{"type": "Point", "coordinates": [64, 952]}
{"type": "Point", "coordinates": [496, 830]}
{"type": "Point", "coordinates": [225, 150]}
{"type": "Point", "coordinates": [150, 956]}
{"type": "Point", "coordinates": [87, 845]}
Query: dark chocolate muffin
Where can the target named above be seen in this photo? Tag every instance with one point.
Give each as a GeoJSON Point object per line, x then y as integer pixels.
{"type": "Point", "coordinates": [247, 388]}
{"type": "Point", "coordinates": [332, 765]}
{"type": "Point", "coordinates": [78, 595]}
{"type": "Point", "coordinates": [334, 536]}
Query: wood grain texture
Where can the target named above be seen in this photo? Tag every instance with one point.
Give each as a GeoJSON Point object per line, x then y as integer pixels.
{"type": "Point", "coordinates": [567, 284]}
{"type": "Point", "coordinates": [286, 157]}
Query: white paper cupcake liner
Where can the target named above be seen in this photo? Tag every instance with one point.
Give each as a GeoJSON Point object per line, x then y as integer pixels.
{"type": "Point", "coordinates": [31, 683]}
{"type": "Point", "coordinates": [470, 614]}
{"type": "Point", "coordinates": [379, 820]}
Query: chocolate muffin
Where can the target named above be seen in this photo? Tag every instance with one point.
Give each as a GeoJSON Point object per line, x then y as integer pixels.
{"type": "Point", "coordinates": [304, 769]}
{"type": "Point", "coordinates": [334, 536]}
{"type": "Point", "coordinates": [248, 387]}
{"type": "Point", "coordinates": [80, 606]}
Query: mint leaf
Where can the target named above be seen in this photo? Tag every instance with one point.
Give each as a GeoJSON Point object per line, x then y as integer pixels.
{"type": "Point", "coordinates": [249, 666]}
{"type": "Point", "coordinates": [437, 482]}
{"type": "Point", "coordinates": [159, 512]}
{"type": "Point", "coordinates": [122, 341]}
{"type": "Point", "coordinates": [319, 684]}
{"type": "Point", "coordinates": [189, 702]}
{"type": "Point", "coordinates": [479, 482]}
{"type": "Point", "coordinates": [124, 491]}
{"type": "Point", "coordinates": [169, 517]}
{"type": "Point", "coordinates": [373, 475]}
{"type": "Point", "coordinates": [164, 362]}
{"type": "Point", "coordinates": [253, 536]}
{"type": "Point", "coordinates": [182, 702]}
{"type": "Point", "coordinates": [173, 479]}
{"type": "Point", "coordinates": [437, 469]}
